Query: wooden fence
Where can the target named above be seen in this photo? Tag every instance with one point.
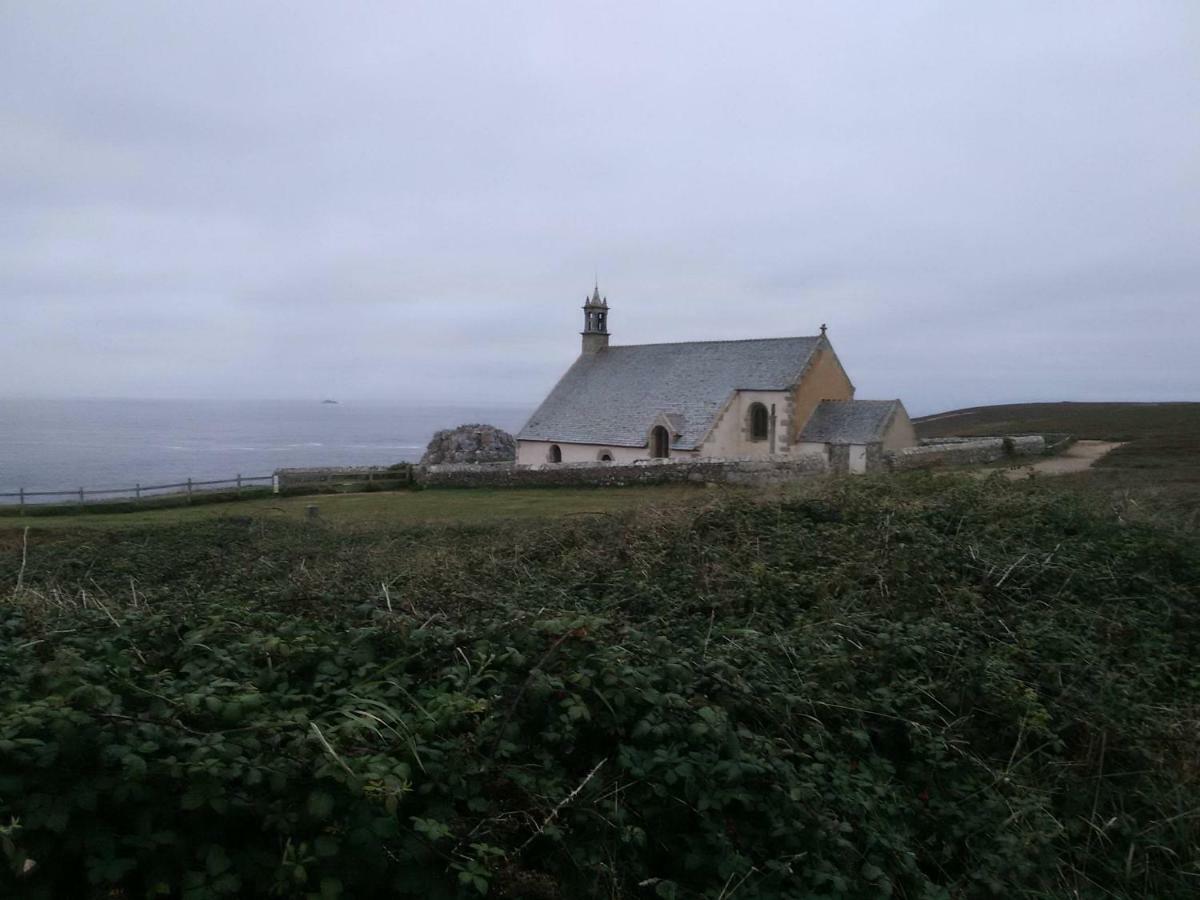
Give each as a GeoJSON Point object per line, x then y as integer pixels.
{"type": "Point", "coordinates": [140, 491]}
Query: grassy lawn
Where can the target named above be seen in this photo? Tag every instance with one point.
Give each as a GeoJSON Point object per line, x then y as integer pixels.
{"type": "Point", "coordinates": [391, 508]}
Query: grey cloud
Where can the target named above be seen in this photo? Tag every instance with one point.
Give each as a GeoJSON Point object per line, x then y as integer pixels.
{"type": "Point", "coordinates": [266, 200]}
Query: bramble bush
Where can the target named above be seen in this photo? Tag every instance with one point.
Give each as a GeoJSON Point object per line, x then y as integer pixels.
{"type": "Point", "coordinates": [923, 688]}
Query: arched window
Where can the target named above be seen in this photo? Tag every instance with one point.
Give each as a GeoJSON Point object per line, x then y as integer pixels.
{"type": "Point", "coordinates": [605, 456]}
{"type": "Point", "coordinates": [555, 453]}
{"type": "Point", "coordinates": [760, 422]}
{"type": "Point", "coordinates": [660, 443]}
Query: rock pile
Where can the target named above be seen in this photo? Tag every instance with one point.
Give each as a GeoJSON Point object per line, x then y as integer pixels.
{"type": "Point", "coordinates": [470, 444]}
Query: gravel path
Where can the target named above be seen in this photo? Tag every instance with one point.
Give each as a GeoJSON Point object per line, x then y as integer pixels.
{"type": "Point", "coordinates": [1079, 457]}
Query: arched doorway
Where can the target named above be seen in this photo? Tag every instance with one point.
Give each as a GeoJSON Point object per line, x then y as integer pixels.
{"type": "Point", "coordinates": [555, 454]}
{"type": "Point", "coordinates": [660, 443]}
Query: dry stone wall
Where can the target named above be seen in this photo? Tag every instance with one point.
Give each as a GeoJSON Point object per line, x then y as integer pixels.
{"type": "Point", "coordinates": [330, 476]}
{"type": "Point", "coordinates": [773, 470]}
{"type": "Point", "coordinates": [714, 471]}
{"type": "Point", "coordinates": [1025, 445]}
{"type": "Point", "coordinates": [965, 451]}
{"type": "Point", "coordinates": [956, 453]}
{"type": "Point", "coordinates": [719, 471]}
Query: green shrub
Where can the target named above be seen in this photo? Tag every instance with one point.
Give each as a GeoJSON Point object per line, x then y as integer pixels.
{"type": "Point", "coordinates": [918, 688]}
{"type": "Point", "coordinates": [130, 504]}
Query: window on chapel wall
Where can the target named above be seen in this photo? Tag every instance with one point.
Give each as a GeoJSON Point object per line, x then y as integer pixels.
{"type": "Point", "coordinates": [760, 422]}
{"type": "Point", "coordinates": [555, 454]}
{"type": "Point", "coordinates": [660, 443]}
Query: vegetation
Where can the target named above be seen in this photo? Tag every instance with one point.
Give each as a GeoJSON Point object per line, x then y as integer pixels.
{"type": "Point", "coordinates": [1156, 474]}
{"type": "Point", "coordinates": [916, 687]}
{"type": "Point", "coordinates": [1146, 423]}
{"type": "Point", "coordinates": [131, 504]}
{"type": "Point", "coordinates": [383, 509]}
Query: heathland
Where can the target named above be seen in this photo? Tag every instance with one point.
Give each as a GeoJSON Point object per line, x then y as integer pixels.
{"type": "Point", "coordinates": [1156, 472]}
{"type": "Point", "coordinates": [913, 686]}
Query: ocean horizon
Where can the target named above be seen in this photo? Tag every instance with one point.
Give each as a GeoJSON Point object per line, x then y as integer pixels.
{"type": "Point", "coordinates": [105, 444]}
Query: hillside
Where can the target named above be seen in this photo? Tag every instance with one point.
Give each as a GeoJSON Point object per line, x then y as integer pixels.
{"type": "Point", "coordinates": [911, 687]}
{"type": "Point", "coordinates": [1158, 469]}
{"type": "Point", "coordinates": [1159, 435]}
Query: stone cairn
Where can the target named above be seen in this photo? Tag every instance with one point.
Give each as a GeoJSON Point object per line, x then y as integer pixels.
{"type": "Point", "coordinates": [470, 444]}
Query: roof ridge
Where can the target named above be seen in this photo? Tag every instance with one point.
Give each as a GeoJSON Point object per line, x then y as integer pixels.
{"type": "Point", "coordinates": [797, 337]}
{"type": "Point", "coordinates": [857, 400]}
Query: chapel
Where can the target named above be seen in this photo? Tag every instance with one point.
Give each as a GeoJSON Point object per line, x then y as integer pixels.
{"type": "Point", "coordinates": [758, 398]}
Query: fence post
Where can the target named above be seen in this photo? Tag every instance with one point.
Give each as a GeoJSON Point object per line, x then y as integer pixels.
{"type": "Point", "coordinates": [189, 490]}
{"type": "Point", "coordinates": [22, 501]}
{"type": "Point", "coordinates": [239, 484]}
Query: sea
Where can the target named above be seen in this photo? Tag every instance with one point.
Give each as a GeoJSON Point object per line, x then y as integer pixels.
{"type": "Point", "coordinates": [108, 444]}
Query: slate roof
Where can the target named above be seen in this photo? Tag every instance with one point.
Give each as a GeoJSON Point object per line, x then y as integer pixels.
{"type": "Point", "coordinates": [614, 396]}
{"type": "Point", "coordinates": [849, 421]}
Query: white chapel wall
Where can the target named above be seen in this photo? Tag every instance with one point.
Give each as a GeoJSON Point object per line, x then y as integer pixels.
{"type": "Point", "coordinates": [730, 436]}
{"type": "Point", "coordinates": [534, 453]}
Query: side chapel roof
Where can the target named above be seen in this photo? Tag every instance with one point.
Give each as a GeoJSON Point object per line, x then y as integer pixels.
{"type": "Point", "coordinates": [849, 421]}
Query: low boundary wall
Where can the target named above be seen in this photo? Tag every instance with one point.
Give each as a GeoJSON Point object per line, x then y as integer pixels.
{"type": "Point", "coordinates": [1025, 445]}
{"type": "Point", "coordinates": [773, 470]}
{"type": "Point", "coordinates": [332, 477]}
{"type": "Point", "coordinates": [707, 471]}
{"type": "Point", "coordinates": [965, 451]}
{"type": "Point", "coordinates": [947, 453]}
{"type": "Point", "coordinates": [1058, 442]}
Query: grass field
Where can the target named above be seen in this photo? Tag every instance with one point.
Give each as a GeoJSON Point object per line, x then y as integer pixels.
{"type": "Point", "coordinates": [1156, 473]}
{"type": "Point", "coordinates": [387, 509]}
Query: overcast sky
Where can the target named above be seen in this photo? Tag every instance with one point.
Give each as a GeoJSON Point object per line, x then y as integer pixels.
{"type": "Point", "coordinates": [986, 202]}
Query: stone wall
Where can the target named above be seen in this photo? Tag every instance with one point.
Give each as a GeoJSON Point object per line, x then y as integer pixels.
{"type": "Point", "coordinates": [778, 470]}
{"type": "Point", "coordinates": [1025, 445]}
{"type": "Point", "coordinates": [957, 453]}
{"type": "Point", "coordinates": [1057, 442]}
{"type": "Point", "coordinates": [876, 458]}
{"type": "Point", "coordinates": [939, 441]}
{"type": "Point", "coordinates": [331, 476]}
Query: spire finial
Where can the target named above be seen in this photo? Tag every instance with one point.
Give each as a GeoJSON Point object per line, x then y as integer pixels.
{"type": "Point", "coordinates": [822, 329]}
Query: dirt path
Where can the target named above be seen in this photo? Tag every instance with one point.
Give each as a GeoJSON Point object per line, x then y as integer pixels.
{"type": "Point", "coordinates": [1080, 456]}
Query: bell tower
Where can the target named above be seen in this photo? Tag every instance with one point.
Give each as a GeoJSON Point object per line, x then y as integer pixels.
{"type": "Point", "coordinates": [595, 322]}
